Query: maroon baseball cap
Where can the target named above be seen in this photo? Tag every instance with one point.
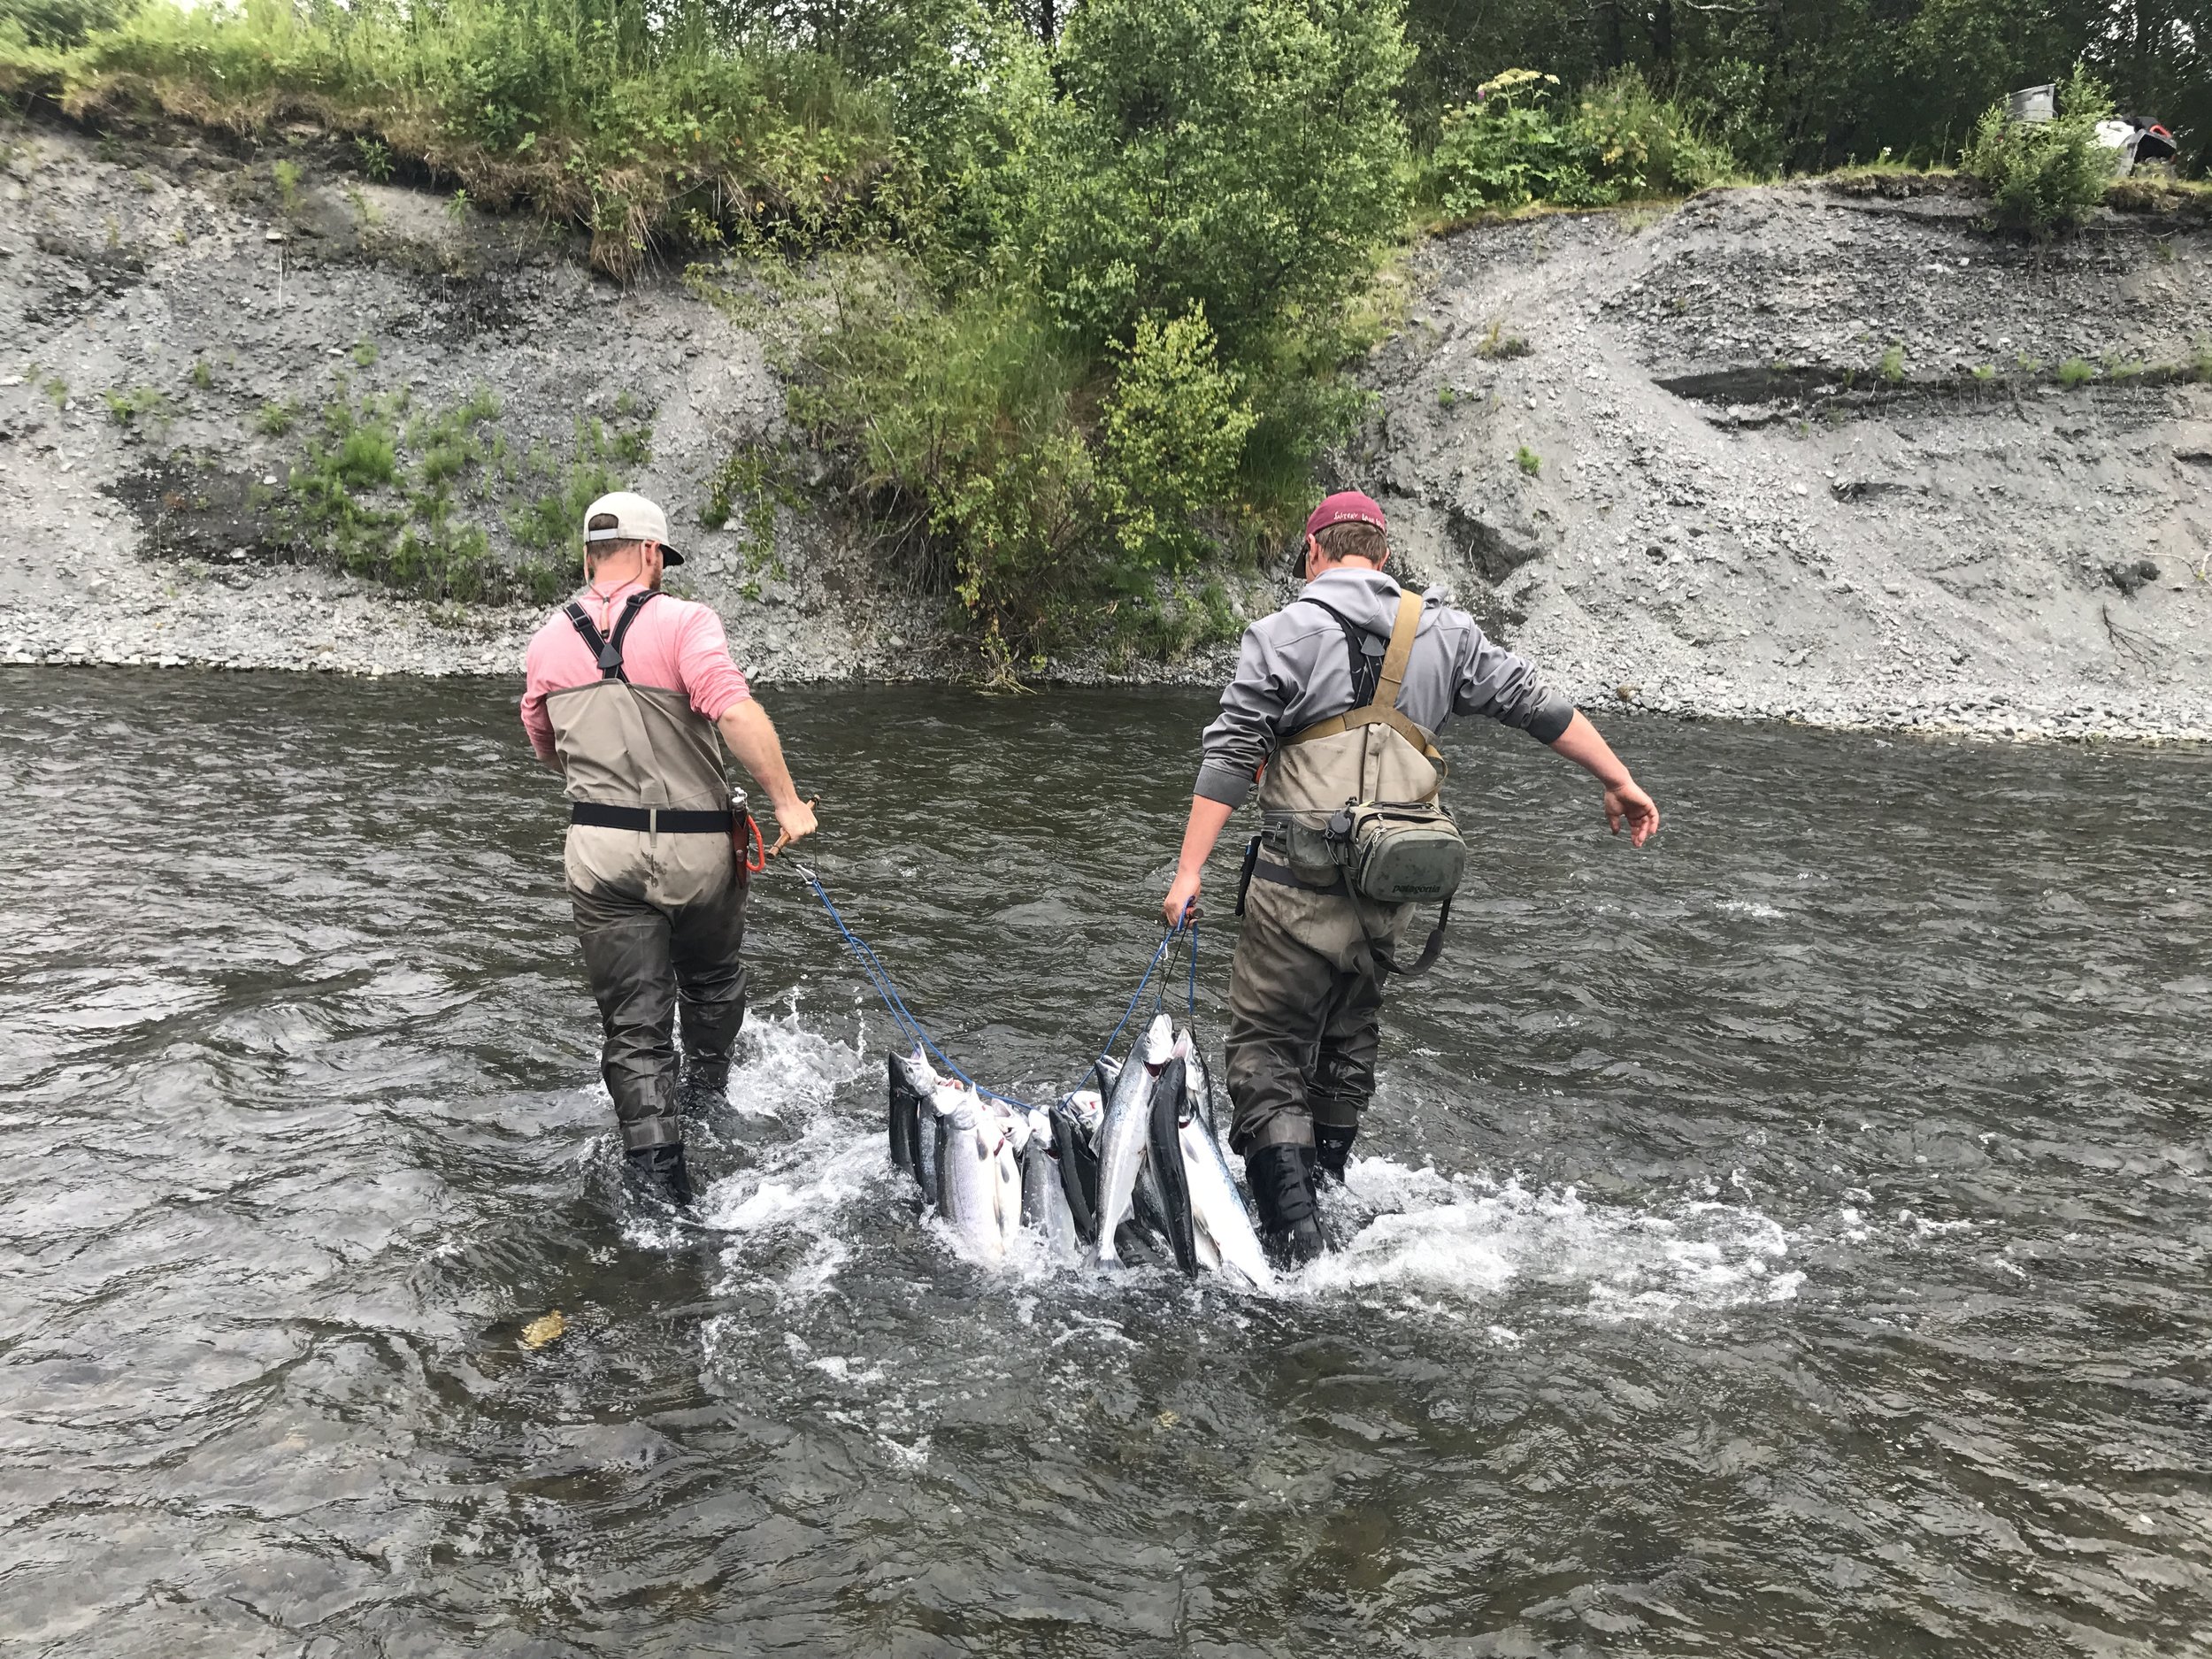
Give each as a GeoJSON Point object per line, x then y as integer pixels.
{"type": "Point", "coordinates": [1347, 506]}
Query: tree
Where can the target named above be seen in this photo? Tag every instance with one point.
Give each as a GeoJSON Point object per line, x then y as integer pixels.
{"type": "Point", "coordinates": [1241, 156]}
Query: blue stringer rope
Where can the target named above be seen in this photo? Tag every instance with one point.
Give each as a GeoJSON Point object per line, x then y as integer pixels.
{"type": "Point", "coordinates": [910, 1028]}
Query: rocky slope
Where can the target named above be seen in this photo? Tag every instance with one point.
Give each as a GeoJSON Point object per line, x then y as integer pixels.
{"type": "Point", "coordinates": [1665, 453]}
{"type": "Point", "coordinates": [188, 328]}
{"type": "Point", "coordinates": [1740, 461]}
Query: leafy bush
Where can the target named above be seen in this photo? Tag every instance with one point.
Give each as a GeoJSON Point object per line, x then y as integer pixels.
{"type": "Point", "coordinates": [1638, 144]}
{"type": "Point", "coordinates": [1172, 434]}
{"type": "Point", "coordinates": [637, 132]}
{"type": "Point", "coordinates": [56, 24]}
{"type": "Point", "coordinates": [953, 424]}
{"type": "Point", "coordinates": [1240, 155]}
{"type": "Point", "coordinates": [2047, 176]}
{"type": "Point", "coordinates": [1514, 145]}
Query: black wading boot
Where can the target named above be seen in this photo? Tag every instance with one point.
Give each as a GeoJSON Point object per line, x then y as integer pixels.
{"type": "Point", "coordinates": [703, 1088]}
{"type": "Point", "coordinates": [661, 1171]}
{"type": "Point", "coordinates": [1284, 1193]}
{"type": "Point", "coordinates": [1332, 1148]}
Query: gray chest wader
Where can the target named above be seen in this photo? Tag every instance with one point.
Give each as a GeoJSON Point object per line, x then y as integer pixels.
{"type": "Point", "coordinates": [1350, 803]}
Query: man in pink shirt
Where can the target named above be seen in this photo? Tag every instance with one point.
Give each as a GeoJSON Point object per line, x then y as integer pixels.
{"type": "Point", "coordinates": [631, 695]}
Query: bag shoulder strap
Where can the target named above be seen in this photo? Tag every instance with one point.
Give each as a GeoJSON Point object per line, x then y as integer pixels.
{"type": "Point", "coordinates": [1361, 665]}
{"type": "Point", "coordinates": [1400, 652]}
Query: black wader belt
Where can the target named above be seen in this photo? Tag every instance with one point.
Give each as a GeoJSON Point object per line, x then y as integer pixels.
{"type": "Point", "coordinates": [608, 649]}
{"type": "Point", "coordinates": [650, 819]}
{"type": "Point", "coordinates": [1280, 874]}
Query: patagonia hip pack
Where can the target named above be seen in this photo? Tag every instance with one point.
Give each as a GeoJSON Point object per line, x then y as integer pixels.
{"type": "Point", "coordinates": [1393, 854]}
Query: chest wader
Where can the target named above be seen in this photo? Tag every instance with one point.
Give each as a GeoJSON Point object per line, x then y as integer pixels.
{"type": "Point", "coordinates": [658, 887]}
{"type": "Point", "coordinates": [1352, 836]}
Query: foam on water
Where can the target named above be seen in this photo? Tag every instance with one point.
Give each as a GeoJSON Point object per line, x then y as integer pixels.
{"type": "Point", "coordinates": [1467, 1238]}
{"type": "Point", "coordinates": [1420, 1241]}
{"type": "Point", "coordinates": [783, 1067]}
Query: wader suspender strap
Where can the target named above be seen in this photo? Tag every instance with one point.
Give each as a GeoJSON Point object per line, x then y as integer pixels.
{"type": "Point", "coordinates": [1381, 707]}
{"type": "Point", "coordinates": [1365, 670]}
{"type": "Point", "coordinates": [607, 650]}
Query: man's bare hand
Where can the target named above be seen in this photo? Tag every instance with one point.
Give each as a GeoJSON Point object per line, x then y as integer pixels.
{"type": "Point", "coordinates": [793, 823]}
{"type": "Point", "coordinates": [1626, 804]}
{"type": "Point", "coordinates": [1182, 895]}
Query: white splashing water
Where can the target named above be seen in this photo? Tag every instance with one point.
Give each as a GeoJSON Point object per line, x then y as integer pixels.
{"type": "Point", "coordinates": [1425, 1242]}
{"type": "Point", "coordinates": [1467, 1239]}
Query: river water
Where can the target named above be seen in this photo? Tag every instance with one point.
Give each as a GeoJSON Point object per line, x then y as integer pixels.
{"type": "Point", "coordinates": [1790, 1240]}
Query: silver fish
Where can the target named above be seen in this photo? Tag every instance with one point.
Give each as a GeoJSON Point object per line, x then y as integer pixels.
{"type": "Point", "coordinates": [1044, 1191]}
{"type": "Point", "coordinates": [913, 1140]}
{"type": "Point", "coordinates": [1122, 1135]}
{"type": "Point", "coordinates": [1224, 1224]}
{"type": "Point", "coordinates": [970, 1172]}
{"type": "Point", "coordinates": [1040, 1175]}
{"type": "Point", "coordinates": [1013, 1142]}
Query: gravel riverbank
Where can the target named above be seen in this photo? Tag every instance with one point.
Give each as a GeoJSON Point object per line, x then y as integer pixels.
{"type": "Point", "coordinates": [1784, 453]}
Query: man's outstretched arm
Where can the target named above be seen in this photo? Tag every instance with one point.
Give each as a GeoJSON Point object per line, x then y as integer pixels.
{"type": "Point", "coordinates": [1625, 802]}
{"type": "Point", "coordinates": [746, 727]}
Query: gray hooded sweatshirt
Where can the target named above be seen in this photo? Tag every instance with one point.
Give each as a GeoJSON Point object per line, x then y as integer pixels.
{"type": "Point", "coordinates": [1295, 669]}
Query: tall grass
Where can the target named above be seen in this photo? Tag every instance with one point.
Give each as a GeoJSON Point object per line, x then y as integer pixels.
{"type": "Point", "coordinates": [641, 128]}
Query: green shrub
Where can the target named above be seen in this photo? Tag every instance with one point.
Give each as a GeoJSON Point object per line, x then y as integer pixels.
{"type": "Point", "coordinates": [1244, 156]}
{"type": "Point", "coordinates": [1618, 142]}
{"type": "Point", "coordinates": [140, 405]}
{"type": "Point", "coordinates": [1528, 460]}
{"type": "Point", "coordinates": [2047, 176]}
{"type": "Point", "coordinates": [1173, 433]}
{"type": "Point", "coordinates": [954, 424]}
{"type": "Point", "coordinates": [1639, 145]}
{"type": "Point", "coordinates": [634, 130]}
{"type": "Point", "coordinates": [2076, 372]}
{"type": "Point", "coordinates": [1505, 149]}
{"type": "Point", "coordinates": [55, 24]}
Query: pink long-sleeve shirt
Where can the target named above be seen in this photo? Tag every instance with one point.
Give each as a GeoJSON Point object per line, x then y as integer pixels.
{"type": "Point", "coordinates": [675, 644]}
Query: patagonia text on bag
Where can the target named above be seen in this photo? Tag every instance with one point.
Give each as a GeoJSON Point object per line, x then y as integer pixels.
{"type": "Point", "coordinates": [1404, 855]}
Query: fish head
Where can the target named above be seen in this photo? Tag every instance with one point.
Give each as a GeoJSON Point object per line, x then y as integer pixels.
{"type": "Point", "coordinates": [915, 1073]}
{"type": "Point", "coordinates": [958, 1104]}
{"type": "Point", "coordinates": [1158, 1047]}
{"type": "Point", "coordinates": [1083, 1109]}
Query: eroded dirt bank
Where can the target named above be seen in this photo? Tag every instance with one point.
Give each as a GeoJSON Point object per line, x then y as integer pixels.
{"type": "Point", "coordinates": [1734, 460]}
{"type": "Point", "coordinates": [1791, 453]}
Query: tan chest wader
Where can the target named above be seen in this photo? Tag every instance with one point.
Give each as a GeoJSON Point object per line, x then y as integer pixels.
{"type": "Point", "coordinates": [637, 757]}
{"type": "Point", "coordinates": [656, 884]}
{"type": "Point", "coordinates": [1350, 806]}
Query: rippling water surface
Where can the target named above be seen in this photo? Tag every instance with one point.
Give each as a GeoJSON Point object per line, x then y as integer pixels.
{"type": "Point", "coordinates": [1791, 1239]}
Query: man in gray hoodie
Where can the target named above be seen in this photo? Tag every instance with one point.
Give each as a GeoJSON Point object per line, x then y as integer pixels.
{"type": "Point", "coordinates": [1306, 986]}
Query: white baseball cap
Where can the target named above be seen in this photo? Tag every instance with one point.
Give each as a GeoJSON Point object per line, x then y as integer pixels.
{"type": "Point", "coordinates": [634, 519]}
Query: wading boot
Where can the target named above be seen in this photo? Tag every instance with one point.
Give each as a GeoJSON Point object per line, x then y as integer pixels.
{"type": "Point", "coordinates": [1284, 1193]}
{"type": "Point", "coordinates": [1333, 1149]}
{"type": "Point", "coordinates": [661, 1171]}
{"type": "Point", "coordinates": [703, 1088]}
